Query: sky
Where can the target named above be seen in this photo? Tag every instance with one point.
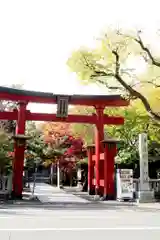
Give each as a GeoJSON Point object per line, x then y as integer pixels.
{"type": "Point", "coordinates": [37, 37]}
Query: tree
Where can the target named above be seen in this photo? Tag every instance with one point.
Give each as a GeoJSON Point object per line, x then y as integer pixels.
{"type": "Point", "coordinates": [74, 147]}
{"type": "Point", "coordinates": [5, 156]}
{"type": "Point", "coordinates": [54, 131]}
{"type": "Point", "coordinates": [107, 65]}
{"type": "Point", "coordinates": [9, 125]}
{"type": "Point", "coordinates": [35, 146]}
{"type": "Point", "coordinates": [64, 147]}
{"type": "Point", "coordinates": [54, 134]}
{"type": "Point", "coordinates": [136, 122]}
{"type": "Point", "coordinates": [84, 131]}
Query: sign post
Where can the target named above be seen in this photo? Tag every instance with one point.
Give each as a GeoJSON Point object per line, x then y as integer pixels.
{"type": "Point", "coordinates": [145, 194]}
{"type": "Point", "coordinates": [124, 178]}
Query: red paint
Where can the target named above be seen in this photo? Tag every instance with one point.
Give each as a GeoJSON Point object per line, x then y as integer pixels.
{"type": "Point", "coordinates": [19, 153]}
{"type": "Point", "coordinates": [99, 136]}
{"type": "Point", "coordinates": [99, 119]}
{"type": "Point", "coordinates": [70, 119]}
{"type": "Point", "coordinates": [21, 118]}
{"type": "Point", "coordinates": [52, 99]}
{"type": "Point", "coordinates": [91, 187]}
{"type": "Point", "coordinates": [101, 174]}
{"type": "Point", "coordinates": [101, 156]}
{"type": "Point", "coordinates": [105, 170]}
{"type": "Point", "coordinates": [8, 115]}
{"type": "Point", "coordinates": [111, 153]}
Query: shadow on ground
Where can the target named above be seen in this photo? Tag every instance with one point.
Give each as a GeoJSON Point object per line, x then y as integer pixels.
{"type": "Point", "coordinates": [21, 207]}
{"type": "Point", "coordinates": [30, 204]}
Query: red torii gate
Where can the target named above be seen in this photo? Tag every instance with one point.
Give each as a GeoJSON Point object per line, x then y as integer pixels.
{"type": "Point", "coordinates": [21, 115]}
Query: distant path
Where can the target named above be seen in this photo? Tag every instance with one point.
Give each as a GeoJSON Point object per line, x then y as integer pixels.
{"type": "Point", "coordinates": [50, 194]}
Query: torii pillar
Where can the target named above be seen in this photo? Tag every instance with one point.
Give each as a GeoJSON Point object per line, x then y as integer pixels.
{"type": "Point", "coordinates": [19, 149]}
{"type": "Point", "coordinates": [90, 152]}
{"type": "Point", "coordinates": [110, 151]}
{"type": "Point", "coordinates": [99, 137]}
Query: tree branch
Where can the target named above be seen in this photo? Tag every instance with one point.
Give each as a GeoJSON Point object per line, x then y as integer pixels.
{"type": "Point", "coordinates": [148, 82]}
{"type": "Point", "coordinates": [134, 94]}
{"type": "Point", "coordinates": [132, 91]}
{"type": "Point", "coordinates": [109, 87]}
{"type": "Point", "coordinates": [147, 50]}
{"type": "Point", "coordinates": [100, 73]}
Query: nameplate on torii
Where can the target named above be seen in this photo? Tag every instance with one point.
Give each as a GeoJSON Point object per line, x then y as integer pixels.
{"type": "Point", "coordinates": [62, 107]}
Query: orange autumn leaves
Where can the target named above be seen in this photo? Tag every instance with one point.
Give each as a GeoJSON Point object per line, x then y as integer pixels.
{"type": "Point", "coordinates": [53, 131]}
{"type": "Point", "coordinates": [56, 134]}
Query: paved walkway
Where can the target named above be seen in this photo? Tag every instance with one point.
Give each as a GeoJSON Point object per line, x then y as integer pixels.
{"type": "Point", "coordinates": [50, 194]}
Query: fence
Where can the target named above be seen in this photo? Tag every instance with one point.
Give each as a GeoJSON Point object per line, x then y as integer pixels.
{"type": "Point", "coordinates": [5, 187]}
{"type": "Point", "coordinates": [3, 183]}
{"type": "Point", "coordinates": [6, 183]}
{"type": "Point", "coordinates": [34, 178]}
{"type": "Point", "coordinates": [154, 185]}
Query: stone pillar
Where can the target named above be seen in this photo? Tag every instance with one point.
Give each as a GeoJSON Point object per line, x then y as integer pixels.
{"type": "Point", "coordinates": [91, 187]}
{"type": "Point", "coordinates": [145, 194]}
{"type": "Point", "coordinates": [99, 137]}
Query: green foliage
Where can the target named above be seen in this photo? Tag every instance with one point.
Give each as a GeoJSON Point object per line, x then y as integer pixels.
{"type": "Point", "coordinates": [136, 122]}
{"type": "Point", "coordinates": [5, 148]}
{"type": "Point", "coordinates": [85, 131]}
{"type": "Point", "coordinates": [98, 65]}
{"type": "Point", "coordinates": [9, 125]}
{"type": "Point", "coordinates": [112, 64]}
{"type": "Point", "coordinates": [35, 145]}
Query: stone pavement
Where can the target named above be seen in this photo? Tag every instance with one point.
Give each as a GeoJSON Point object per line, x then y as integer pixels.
{"type": "Point", "coordinates": [155, 205]}
{"type": "Point", "coordinates": [50, 194]}
{"type": "Point", "coordinates": [76, 191]}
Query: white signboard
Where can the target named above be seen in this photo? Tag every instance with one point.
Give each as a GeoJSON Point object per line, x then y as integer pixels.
{"type": "Point", "coordinates": [143, 153]}
{"type": "Point", "coordinates": [124, 184]}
